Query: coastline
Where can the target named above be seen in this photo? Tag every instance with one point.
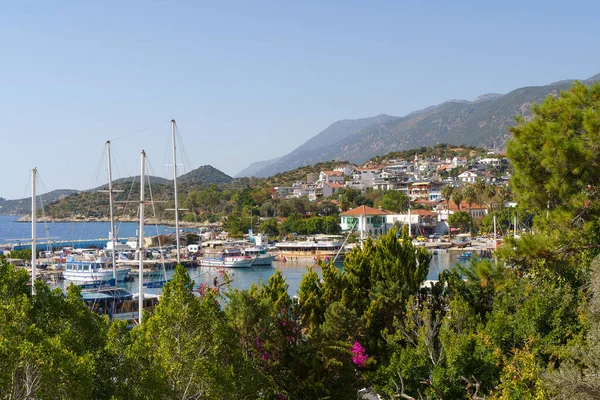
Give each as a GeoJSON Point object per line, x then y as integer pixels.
{"type": "Point", "coordinates": [152, 221]}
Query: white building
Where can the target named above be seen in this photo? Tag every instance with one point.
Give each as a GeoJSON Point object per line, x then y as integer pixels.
{"type": "Point", "coordinates": [366, 220]}
{"type": "Point", "coordinates": [290, 192]}
{"type": "Point", "coordinates": [422, 221]}
{"type": "Point", "coordinates": [469, 176]}
{"type": "Point", "coordinates": [347, 170]}
{"type": "Point", "coordinates": [363, 178]}
{"type": "Point", "coordinates": [331, 177]}
{"type": "Point", "coordinates": [459, 161]}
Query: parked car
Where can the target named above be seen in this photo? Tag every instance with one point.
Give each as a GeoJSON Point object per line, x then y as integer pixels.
{"type": "Point", "coordinates": [158, 254]}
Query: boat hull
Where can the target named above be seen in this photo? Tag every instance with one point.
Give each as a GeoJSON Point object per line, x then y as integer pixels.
{"type": "Point", "coordinates": [307, 256]}
{"type": "Point", "coordinates": [263, 261]}
{"type": "Point", "coordinates": [94, 276]}
{"type": "Point", "coordinates": [226, 263]}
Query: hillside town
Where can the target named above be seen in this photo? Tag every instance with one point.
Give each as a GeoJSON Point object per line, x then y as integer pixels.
{"type": "Point", "coordinates": [422, 180]}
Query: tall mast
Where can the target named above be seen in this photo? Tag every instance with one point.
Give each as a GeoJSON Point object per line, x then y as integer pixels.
{"type": "Point", "coordinates": [175, 189]}
{"type": "Point", "coordinates": [495, 240]}
{"type": "Point", "coordinates": [33, 228]}
{"type": "Point", "coordinates": [409, 221]}
{"type": "Point", "coordinates": [112, 217]}
{"type": "Point", "coordinates": [141, 244]}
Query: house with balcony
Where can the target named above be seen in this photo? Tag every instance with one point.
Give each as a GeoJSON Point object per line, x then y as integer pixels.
{"type": "Point", "coordinates": [367, 220]}
{"type": "Point", "coordinates": [387, 181]}
{"type": "Point", "coordinates": [460, 161]}
{"type": "Point", "coordinates": [423, 222]}
{"type": "Point", "coordinates": [471, 176]}
{"type": "Point", "coordinates": [346, 170]}
{"type": "Point", "coordinates": [331, 177]}
{"type": "Point", "coordinates": [419, 190]}
{"type": "Point", "coordinates": [363, 178]}
{"type": "Point", "coordinates": [435, 190]}
{"type": "Point", "coordinates": [444, 209]}
{"type": "Point", "coordinates": [289, 192]}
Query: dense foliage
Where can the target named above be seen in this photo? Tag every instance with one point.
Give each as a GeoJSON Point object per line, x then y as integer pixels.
{"type": "Point", "coordinates": [522, 326]}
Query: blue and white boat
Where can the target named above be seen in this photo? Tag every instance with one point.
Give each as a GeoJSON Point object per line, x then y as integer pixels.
{"type": "Point", "coordinates": [229, 258]}
{"type": "Point", "coordinates": [260, 255]}
{"type": "Point", "coordinates": [465, 255]}
{"type": "Point", "coordinates": [87, 272]}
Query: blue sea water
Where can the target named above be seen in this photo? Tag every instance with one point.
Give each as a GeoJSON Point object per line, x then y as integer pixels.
{"type": "Point", "coordinates": [14, 232]}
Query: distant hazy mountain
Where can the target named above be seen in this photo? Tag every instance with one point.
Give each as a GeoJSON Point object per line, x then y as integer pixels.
{"type": "Point", "coordinates": [333, 134]}
{"type": "Point", "coordinates": [481, 122]}
{"type": "Point", "coordinates": [23, 206]}
{"type": "Point", "coordinates": [253, 168]}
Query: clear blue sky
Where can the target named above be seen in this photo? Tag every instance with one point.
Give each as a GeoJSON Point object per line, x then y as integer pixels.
{"type": "Point", "coordinates": [252, 80]}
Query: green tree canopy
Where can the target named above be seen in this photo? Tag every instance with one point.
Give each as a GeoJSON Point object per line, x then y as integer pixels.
{"type": "Point", "coordinates": [394, 200]}
{"type": "Point", "coordinates": [557, 153]}
{"type": "Point", "coordinates": [460, 220]}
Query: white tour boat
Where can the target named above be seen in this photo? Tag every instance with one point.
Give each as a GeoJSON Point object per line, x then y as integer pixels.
{"type": "Point", "coordinates": [318, 247]}
{"type": "Point", "coordinates": [228, 258]}
{"type": "Point", "coordinates": [92, 271]}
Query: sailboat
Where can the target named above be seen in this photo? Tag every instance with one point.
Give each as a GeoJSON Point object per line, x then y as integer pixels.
{"type": "Point", "coordinates": [98, 272]}
{"type": "Point", "coordinates": [158, 283]}
{"type": "Point", "coordinates": [117, 302]}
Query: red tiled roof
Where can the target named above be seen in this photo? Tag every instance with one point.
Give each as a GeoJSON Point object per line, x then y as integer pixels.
{"type": "Point", "coordinates": [421, 212]}
{"type": "Point", "coordinates": [365, 210]}
{"type": "Point", "coordinates": [332, 173]}
{"type": "Point", "coordinates": [425, 202]}
{"type": "Point", "coordinates": [464, 206]}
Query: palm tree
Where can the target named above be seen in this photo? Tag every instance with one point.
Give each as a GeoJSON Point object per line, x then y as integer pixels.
{"type": "Point", "coordinates": [490, 193]}
{"type": "Point", "coordinates": [479, 187]}
{"type": "Point", "coordinates": [447, 193]}
{"type": "Point", "coordinates": [458, 197]}
{"type": "Point", "coordinates": [504, 195]}
{"type": "Point", "coordinates": [470, 197]}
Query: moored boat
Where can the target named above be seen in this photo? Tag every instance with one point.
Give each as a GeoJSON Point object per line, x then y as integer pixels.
{"type": "Point", "coordinates": [92, 271]}
{"type": "Point", "coordinates": [228, 258]}
{"type": "Point", "coordinates": [260, 255]}
{"type": "Point", "coordinates": [319, 247]}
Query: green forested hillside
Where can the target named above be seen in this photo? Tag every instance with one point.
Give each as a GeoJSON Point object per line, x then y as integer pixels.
{"type": "Point", "coordinates": [23, 206]}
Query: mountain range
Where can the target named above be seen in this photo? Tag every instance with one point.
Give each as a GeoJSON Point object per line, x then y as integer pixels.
{"type": "Point", "coordinates": [197, 179]}
{"type": "Point", "coordinates": [483, 122]}
{"type": "Point", "coordinates": [23, 206]}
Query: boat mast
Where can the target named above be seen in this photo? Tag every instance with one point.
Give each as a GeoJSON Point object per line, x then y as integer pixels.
{"type": "Point", "coordinates": [175, 189]}
{"type": "Point", "coordinates": [141, 244]}
{"type": "Point", "coordinates": [33, 228]}
{"type": "Point", "coordinates": [495, 240]}
{"type": "Point", "coordinates": [112, 217]}
{"type": "Point", "coordinates": [409, 221]}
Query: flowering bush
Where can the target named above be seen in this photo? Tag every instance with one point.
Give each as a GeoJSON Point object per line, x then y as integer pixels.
{"type": "Point", "coordinates": [359, 354]}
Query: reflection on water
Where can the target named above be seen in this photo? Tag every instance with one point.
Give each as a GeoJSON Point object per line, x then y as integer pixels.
{"type": "Point", "coordinates": [442, 261]}
{"type": "Point", "coordinates": [242, 278]}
